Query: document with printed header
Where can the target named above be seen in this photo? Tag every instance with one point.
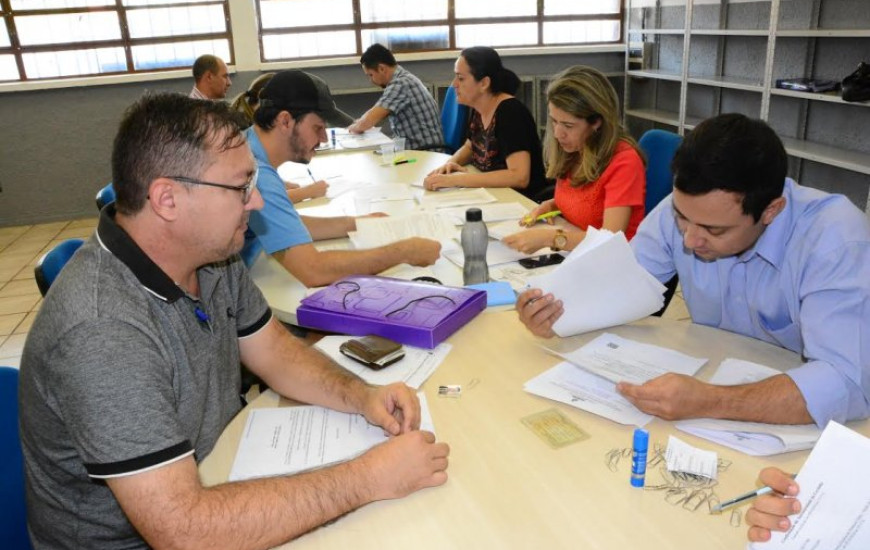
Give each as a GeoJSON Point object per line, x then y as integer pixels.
{"type": "Point", "coordinates": [567, 383]}
{"type": "Point", "coordinates": [619, 359]}
{"type": "Point", "coordinates": [587, 380]}
{"type": "Point", "coordinates": [834, 496]}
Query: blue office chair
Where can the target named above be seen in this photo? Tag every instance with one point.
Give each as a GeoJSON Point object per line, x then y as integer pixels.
{"type": "Point", "coordinates": [454, 121]}
{"type": "Point", "coordinates": [13, 522]}
{"type": "Point", "coordinates": [105, 196]}
{"type": "Point", "coordinates": [659, 147]}
{"type": "Point", "coordinates": [48, 267]}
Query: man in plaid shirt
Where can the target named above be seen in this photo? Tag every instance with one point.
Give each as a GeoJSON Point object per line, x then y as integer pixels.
{"type": "Point", "coordinates": [412, 110]}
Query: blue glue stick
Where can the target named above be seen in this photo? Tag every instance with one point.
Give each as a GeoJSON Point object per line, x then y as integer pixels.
{"type": "Point", "coordinates": [638, 457]}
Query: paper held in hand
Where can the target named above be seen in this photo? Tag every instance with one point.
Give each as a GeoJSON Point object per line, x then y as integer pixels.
{"type": "Point", "coordinates": [834, 496]}
{"type": "Point", "coordinates": [601, 285]}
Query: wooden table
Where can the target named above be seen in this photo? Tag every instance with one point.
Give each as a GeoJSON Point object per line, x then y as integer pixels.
{"type": "Point", "coordinates": [507, 489]}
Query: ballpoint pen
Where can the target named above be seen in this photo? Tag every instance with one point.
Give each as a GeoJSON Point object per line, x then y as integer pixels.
{"type": "Point", "coordinates": [405, 161]}
{"type": "Point", "coordinates": [746, 496]}
{"type": "Point", "coordinates": [313, 179]}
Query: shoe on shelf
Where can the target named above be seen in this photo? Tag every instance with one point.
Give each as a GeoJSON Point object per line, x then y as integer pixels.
{"type": "Point", "coordinates": [856, 86]}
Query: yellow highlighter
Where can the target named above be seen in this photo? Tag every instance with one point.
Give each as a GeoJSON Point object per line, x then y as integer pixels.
{"type": "Point", "coordinates": [546, 216]}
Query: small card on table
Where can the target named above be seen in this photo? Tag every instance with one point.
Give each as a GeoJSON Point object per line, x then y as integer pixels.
{"type": "Point", "coordinates": [556, 429]}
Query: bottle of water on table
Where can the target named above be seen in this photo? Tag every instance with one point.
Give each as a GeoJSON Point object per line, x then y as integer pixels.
{"type": "Point", "coordinates": [474, 238]}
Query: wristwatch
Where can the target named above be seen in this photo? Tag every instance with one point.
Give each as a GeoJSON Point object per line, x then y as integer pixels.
{"type": "Point", "coordinates": [560, 240]}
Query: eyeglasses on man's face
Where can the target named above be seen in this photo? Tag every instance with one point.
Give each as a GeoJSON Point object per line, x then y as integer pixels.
{"type": "Point", "coordinates": [247, 189]}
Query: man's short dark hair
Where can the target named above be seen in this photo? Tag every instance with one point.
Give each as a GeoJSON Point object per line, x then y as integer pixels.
{"type": "Point", "coordinates": [375, 55]}
{"type": "Point", "coordinates": [168, 135]}
{"type": "Point", "coordinates": [205, 63]}
{"type": "Point", "coordinates": [732, 153]}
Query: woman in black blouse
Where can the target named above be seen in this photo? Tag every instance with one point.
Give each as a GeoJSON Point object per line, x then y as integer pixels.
{"type": "Point", "coordinates": [503, 141]}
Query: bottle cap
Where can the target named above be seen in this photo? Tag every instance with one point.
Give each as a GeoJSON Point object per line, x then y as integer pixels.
{"type": "Point", "coordinates": [473, 215]}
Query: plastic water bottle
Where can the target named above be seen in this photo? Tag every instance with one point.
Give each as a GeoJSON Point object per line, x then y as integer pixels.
{"type": "Point", "coordinates": [474, 239]}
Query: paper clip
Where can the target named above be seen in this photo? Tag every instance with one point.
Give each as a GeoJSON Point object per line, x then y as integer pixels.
{"type": "Point", "coordinates": [450, 390]}
{"type": "Point", "coordinates": [735, 517]}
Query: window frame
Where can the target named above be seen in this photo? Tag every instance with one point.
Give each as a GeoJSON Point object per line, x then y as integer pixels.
{"type": "Point", "coordinates": [450, 22]}
{"type": "Point", "coordinates": [125, 42]}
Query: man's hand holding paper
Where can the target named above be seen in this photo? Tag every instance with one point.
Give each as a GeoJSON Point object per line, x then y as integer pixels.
{"type": "Point", "coordinates": [599, 285]}
{"type": "Point", "coordinates": [670, 396]}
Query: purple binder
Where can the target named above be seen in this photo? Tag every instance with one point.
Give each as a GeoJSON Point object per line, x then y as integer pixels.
{"type": "Point", "coordinates": [414, 313]}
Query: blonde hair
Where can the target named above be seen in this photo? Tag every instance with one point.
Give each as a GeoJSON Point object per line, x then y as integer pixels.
{"type": "Point", "coordinates": [247, 101]}
{"type": "Point", "coordinates": [585, 93]}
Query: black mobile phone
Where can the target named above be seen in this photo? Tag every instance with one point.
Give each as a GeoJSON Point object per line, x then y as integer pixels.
{"type": "Point", "coordinates": [541, 261]}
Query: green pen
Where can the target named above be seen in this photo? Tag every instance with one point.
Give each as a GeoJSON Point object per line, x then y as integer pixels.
{"type": "Point", "coordinates": [406, 161]}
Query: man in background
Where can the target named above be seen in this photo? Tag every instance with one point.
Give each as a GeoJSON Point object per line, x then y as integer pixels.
{"type": "Point", "coordinates": [412, 110]}
{"type": "Point", "coordinates": [288, 125]}
{"type": "Point", "coordinates": [211, 78]}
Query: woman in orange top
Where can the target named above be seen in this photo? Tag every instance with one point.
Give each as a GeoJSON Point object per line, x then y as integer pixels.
{"type": "Point", "coordinates": [599, 169]}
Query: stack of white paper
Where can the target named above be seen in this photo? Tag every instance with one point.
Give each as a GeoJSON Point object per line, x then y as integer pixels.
{"type": "Point", "coordinates": [601, 285]}
{"type": "Point", "coordinates": [834, 495]}
{"type": "Point", "coordinates": [752, 438]}
{"type": "Point", "coordinates": [289, 440]}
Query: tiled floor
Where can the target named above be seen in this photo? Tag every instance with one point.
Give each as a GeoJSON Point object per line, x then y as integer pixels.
{"type": "Point", "coordinates": [20, 249]}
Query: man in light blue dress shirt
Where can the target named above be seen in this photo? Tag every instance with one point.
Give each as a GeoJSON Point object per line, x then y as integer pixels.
{"type": "Point", "coordinates": [759, 255]}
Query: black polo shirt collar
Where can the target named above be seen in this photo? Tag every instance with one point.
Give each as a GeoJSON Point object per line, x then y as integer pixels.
{"type": "Point", "coordinates": [114, 239]}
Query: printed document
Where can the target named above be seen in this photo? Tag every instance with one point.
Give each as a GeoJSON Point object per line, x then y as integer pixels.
{"type": "Point", "coordinates": [601, 285]}
{"type": "Point", "coordinates": [834, 495]}
{"type": "Point", "coordinates": [289, 440]}
{"type": "Point", "coordinates": [373, 232]}
{"type": "Point", "coordinates": [621, 360]}
{"type": "Point", "coordinates": [570, 384]}
{"type": "Point", "coordinates": [752, 438]}
{"type": "Point", "coordinates": [413, 369]}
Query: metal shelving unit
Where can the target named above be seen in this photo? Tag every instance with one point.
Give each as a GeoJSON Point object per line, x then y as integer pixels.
{"type": "Point", "coordinates": [725, 69]}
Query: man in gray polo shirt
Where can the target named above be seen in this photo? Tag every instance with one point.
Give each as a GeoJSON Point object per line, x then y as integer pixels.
{"type": "Point", "coordinates": [131, 369]}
